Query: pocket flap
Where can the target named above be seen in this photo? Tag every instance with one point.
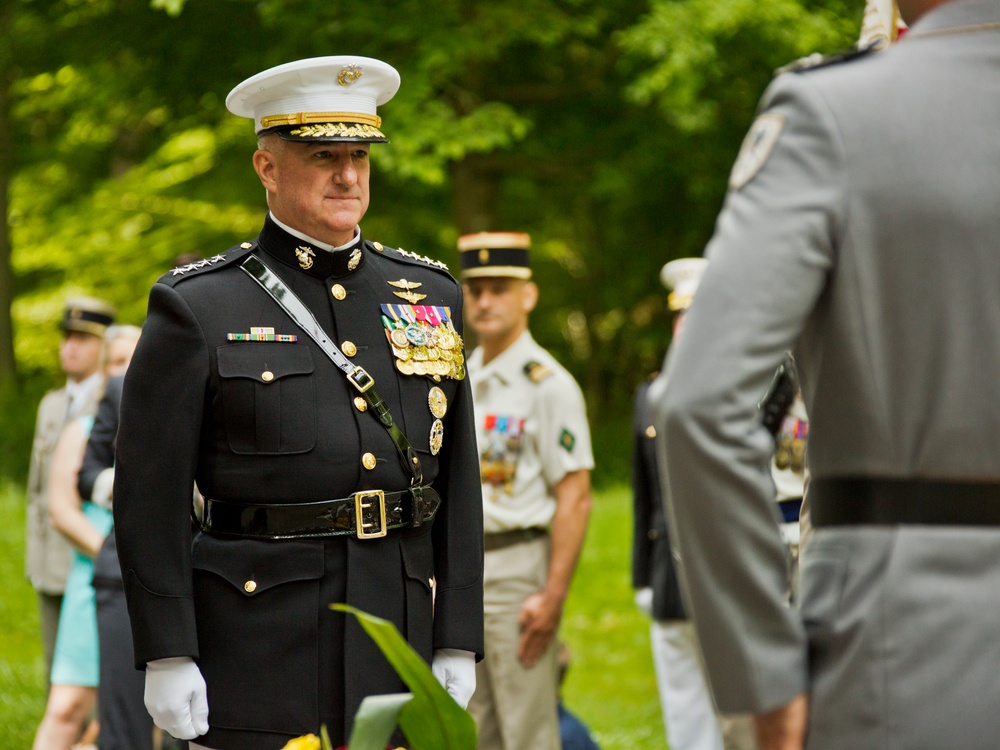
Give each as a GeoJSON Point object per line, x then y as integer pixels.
{"type": "Point", "coordinates": [253, 566]}
{"type": "Point", "coordinates": [265, 362]}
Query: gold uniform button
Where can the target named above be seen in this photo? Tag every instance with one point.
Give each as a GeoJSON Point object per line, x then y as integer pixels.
{"type": "Point", "coordinates": [267, 376]}
{"type": "Point", "coordinates": [651, 432]}
{"type": "Point", "coordinates": [349, 348]}
{"type": "Point", "coordinates": [250, 586]}
{"type": "Point", "coordinates": [368, 461]}
{"type": "Point", "coordinates": [377, 246]}
{"type": "Point", "coordinates": [360, 404]}
{"type": "Point", "coordinates": [338, 291]}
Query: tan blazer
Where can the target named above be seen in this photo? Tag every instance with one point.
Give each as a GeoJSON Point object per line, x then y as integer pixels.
{"type": "Point", "coordinates": [48, 553]}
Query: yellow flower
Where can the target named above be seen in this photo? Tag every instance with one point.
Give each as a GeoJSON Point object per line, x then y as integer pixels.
{"type": "Point", "coordinates": [309, 742]}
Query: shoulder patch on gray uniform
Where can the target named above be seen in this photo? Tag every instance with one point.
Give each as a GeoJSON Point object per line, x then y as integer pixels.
{"type": "Point", "coordinates": [757, 146]}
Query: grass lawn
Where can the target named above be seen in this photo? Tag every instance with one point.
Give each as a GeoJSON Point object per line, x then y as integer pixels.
{"type": "Point", "coordinates": [610, 684]}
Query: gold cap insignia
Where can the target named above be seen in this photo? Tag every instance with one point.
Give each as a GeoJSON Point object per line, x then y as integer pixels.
{"type": "Point", "coordinates": [349, 74]}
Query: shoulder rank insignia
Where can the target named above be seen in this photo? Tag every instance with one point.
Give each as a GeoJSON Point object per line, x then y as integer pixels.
{"type": "Point", "coordinates": [422, 259]}
{"type": "Point", "coordinates": [536, 371]}
{"type": "Point", "coordinates": [817, 60]}
{"type": "Point", "coordinates": [180, 270]}
{"type": "Point", "coordinates": [409, 295]}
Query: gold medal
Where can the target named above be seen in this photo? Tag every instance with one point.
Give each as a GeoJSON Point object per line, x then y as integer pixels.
{"type": "Point", "coordinates": [437, 436]}
{"type": "Point", "coordinates": [398, 338]}
{"type": "Point", "coordinates": [419, 367]}
{"type": "Point", "coordinates": [437, 401]}
{"type": "Point", "coordinates": [405, 366]}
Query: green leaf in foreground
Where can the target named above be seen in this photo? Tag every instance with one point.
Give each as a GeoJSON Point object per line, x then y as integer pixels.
{"type": "Point", "coordinates": [431, 720]}
{"type": "Point", "coordinates": [376, 720]}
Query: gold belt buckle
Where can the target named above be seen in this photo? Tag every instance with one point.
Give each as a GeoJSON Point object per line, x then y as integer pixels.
{"type": "Point", "coordinates": [364, 501]}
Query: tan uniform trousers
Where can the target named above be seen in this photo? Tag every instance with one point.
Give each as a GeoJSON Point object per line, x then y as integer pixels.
{"type": "Point", "coordinates": [515, 706]}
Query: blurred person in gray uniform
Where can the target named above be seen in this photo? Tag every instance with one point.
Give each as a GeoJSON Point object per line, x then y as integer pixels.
{"type": "Point", "coordinates": [48, 553]}
{"type": "Point", "coordinates": [849, 236]}
{"type": "Point", "coordinates": [689, 715]}
{"type": "Point", "coordinates": [535, 462]}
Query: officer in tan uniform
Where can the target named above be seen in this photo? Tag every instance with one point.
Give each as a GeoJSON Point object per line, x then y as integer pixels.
{"type": "Point", "coordinates": [535, 459]}
{"type": "Point", "coordinates": [49, 554]}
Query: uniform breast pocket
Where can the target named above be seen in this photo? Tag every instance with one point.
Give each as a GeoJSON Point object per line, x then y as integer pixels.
{"type": "Point", "coordinates": [269, 397]}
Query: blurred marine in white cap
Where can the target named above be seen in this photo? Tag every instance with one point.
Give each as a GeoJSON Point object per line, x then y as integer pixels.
{"type": "Point", "coordinates": [689, 716]}
{"type": "Point", "coordinates": [312, 383]}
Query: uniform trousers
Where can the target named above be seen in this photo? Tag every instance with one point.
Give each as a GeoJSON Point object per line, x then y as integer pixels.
{"type": "Point", "coordinates": [688, 709]}
{"type": "Point", "coordinates": [125, 722]}
{"type": "Point", "coordinates": [49, 609]}
{"type": "Point", "coordinates": [515, 707]}
{"type": "Point", "coordinates": [902, 625]}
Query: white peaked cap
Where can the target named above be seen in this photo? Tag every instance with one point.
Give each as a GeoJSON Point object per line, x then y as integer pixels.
{"type": "Point", "coordinates": [682, 277]}
{"type": "Point", "coordinates": [318, 99]}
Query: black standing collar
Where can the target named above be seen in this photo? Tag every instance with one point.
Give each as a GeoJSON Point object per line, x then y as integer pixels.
{"type": "Point", "coordinates": [307, 258]}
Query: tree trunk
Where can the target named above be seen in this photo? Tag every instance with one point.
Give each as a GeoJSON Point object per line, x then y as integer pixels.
{"type": "Point", "coordinates": [8, 367]}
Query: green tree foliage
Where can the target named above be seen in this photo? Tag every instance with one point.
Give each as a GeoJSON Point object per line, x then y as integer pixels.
{"type": "Point", "coordinates": [606, 130]}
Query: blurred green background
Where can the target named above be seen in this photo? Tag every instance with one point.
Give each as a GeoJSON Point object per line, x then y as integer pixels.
{"type": "Point", "coordinates": [604, 129]}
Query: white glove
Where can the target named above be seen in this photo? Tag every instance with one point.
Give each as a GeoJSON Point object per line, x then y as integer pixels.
{"type": "Point", "coordinates": [176, 697]}
{"type": "Point", "coordinates": [644, 600]}
{"type": "Point", "coordinates": [455, 669]}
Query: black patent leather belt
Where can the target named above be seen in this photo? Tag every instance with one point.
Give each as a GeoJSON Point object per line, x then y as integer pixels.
{"type": "Point", "coordinates": [508, 538]}
{"type": "Point", "coordinates": [366, 515]}
{"type": "Point", "coordinates": [869, 501]}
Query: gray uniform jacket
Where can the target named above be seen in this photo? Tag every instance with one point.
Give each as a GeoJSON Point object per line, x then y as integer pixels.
{"type": "Point", "coordinates": [861, 229]}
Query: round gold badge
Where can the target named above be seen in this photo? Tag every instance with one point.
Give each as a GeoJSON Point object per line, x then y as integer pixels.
{"type": "Point", "coordinates": [437, 401]}
{"type": "Point", "coordinates": [437, 437]}
{"type": "Point", "coordinates": [398, 338]}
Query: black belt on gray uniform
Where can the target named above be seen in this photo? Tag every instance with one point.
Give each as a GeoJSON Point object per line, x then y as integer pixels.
{"type": "Point", "coordinates": [854, 501]}
{"type": "Point", "coordinates": [503, 539]}
{"type": "Point", "coordinates": [366, 515]}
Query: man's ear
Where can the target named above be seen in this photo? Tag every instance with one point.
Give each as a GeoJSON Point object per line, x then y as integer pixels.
{"type": "Point", "coordinates": [265, 165]}
{"type": "Point", "coordinates": [529, 296]}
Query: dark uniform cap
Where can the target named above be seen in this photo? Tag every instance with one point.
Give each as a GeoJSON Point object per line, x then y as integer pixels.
{"type": "Point", "coordinates": [319, 99]}
{"type": "Point", "coordinates": [87, 315]}
{"type": "Point", "coordinates": [495, 254]}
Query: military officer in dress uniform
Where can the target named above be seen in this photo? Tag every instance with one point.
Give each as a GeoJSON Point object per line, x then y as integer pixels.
{"type": "Point", "coordinates": [689, 715]}
{"type": "Point", "coordinates": [534, 449]}
{"type": "Point", "coordinates": [860, 231]}
{"type": "Point", "coordinates": [49, 554]}
{"type": "Point", "coordinates": [313, 383]}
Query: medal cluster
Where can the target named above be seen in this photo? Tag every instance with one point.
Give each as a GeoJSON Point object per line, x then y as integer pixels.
{"type": "Point", "coordinates": [790, 445]}
{"type": "Point", "coordinates": [424, 340]}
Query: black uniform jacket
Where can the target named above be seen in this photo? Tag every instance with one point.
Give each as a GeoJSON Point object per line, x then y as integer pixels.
{"type": "Point", "coordinates": [276, 422]}
{"type": "Point", "coordinates": [100, 455]}
{"type": "Point", "coordinates": [652, 563]}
